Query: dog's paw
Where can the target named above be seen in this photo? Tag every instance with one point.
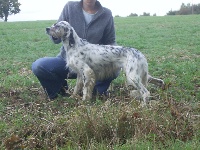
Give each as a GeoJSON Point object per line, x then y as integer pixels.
{"type": "Point", "coordinates": [75, 97]}
{"type": "Point", "coordinates": [135, 94]}
{"type": "Point", "coordinates": [162, 84]}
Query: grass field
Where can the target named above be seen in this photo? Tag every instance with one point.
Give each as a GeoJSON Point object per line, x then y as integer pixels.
{"type": "Point", "coordinates": [28, 120]}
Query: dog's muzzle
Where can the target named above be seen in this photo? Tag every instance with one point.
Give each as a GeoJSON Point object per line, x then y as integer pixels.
{"type": "Point", "coordinates": [47, 30]}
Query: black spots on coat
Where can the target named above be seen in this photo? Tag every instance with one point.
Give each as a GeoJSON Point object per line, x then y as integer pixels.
{"type": "Point", "coordinates": [77, 62]}
{"type": "Point", "coordinates": [101, 65]}
{"type": "Point", "coordinates": [71, 38]}
{"type": "Point", "coordinates": [144, 91]}
{"type": "Point", "coordinates": [90, 60]}
{"type": "Point", "coordinates": [66, 29]}
{"type": "Point", "coordinates": [87, 48]}
{"type": "Point", "coordinates": [62, 23]}
{"type": "Point", "coordinates": [118, 51]}
{"type": "Point", "coordinates": [104, 60]}
{"type": "Point", "coordinates": [136, 82]}
{"type": "Point", "coordinates": [104, 54]}
{"type": "Point", "coordinates": [135, 53]}
{"type": "Point", "coordinates": [84, 78]}
{"type": "Point", "coordinates": [82, 56]}
{"type": "Point", "coordinates": [137, 71]}
{"type": "Point", "coordinates": [145, 74]}
{"type": "Point", "coordinates": [131, 69]}
{"type": "Point", "coordinates": [83, 42]}
{"type": "Point", "coordinates": [113, 49]}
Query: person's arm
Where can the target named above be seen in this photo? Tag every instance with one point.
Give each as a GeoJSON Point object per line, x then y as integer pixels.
{"type": "Point", "coordinates": [109, 33]}
{"type": "Point", "coordinates": [64, 14]}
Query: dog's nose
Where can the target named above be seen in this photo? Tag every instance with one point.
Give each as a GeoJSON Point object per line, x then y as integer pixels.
{"type": "Point", "coordinates": [47, 29]}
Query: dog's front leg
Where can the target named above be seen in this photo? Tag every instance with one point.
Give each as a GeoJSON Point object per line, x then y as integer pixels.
{"type": "Point", "coordinates": [79, 85]}
{"type": "Point", "coordinates": [88, 82]}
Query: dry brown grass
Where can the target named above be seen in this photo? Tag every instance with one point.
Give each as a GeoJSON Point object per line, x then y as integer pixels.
{"type": "Point", "coordinates": [66, 123]}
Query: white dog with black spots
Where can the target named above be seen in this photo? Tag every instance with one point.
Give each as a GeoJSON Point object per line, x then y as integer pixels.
{"type": "Point", "coordinates": [94, 62]}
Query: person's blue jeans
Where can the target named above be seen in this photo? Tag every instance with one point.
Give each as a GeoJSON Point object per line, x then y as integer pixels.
{"type": "Point", "coordinates": [52, 74]}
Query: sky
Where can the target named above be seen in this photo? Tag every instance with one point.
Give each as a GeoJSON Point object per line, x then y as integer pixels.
{"type": "Point", "coordinates": [32, 10]}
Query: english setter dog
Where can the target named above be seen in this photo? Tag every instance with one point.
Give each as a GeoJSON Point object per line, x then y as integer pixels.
{"type": "Point", "coordinates": [94, 62]}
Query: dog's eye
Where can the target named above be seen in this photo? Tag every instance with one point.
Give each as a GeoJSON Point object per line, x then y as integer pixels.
{"type": "Point", "coordinates": [56, 26]}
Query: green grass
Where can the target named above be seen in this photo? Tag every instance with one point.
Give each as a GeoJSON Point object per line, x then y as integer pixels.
{"type": "Point", "coordinates": [29, 120]}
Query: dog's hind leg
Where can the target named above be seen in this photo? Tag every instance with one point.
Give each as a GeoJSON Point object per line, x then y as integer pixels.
{"type": "Point", "coordinates": [140, 91]}
{"type": "Point", "coordinates": [137, 77]}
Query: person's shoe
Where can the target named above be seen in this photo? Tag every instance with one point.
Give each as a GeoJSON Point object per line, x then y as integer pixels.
{"type": "Point", "coordinates": [63, 92]}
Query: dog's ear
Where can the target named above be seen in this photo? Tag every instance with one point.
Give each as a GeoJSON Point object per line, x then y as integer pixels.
{"type": "Point", "coordinates": [71, 38]}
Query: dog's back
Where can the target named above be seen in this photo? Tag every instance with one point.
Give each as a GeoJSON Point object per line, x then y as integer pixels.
{"type": "Point", "coordinates": [107, 60]}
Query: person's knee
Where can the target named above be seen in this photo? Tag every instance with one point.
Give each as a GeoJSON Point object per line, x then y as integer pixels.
{"type": "Point", "coordinates": [34, 67]}
{"type": "Point", "coordinates": [37, 67]}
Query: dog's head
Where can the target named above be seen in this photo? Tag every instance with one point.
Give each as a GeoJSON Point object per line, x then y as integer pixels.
{"type": "Point", "coordinates": [62, 30]}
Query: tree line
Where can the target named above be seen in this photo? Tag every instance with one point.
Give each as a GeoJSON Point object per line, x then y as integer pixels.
{"type": "Point", "coordinates": [185, 9]}
{"type": "Point", "coordinates": [188, 9]}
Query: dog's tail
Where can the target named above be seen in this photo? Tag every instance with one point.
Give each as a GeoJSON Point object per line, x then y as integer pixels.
{"type": "Point", "coordinates": [156, 81]}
